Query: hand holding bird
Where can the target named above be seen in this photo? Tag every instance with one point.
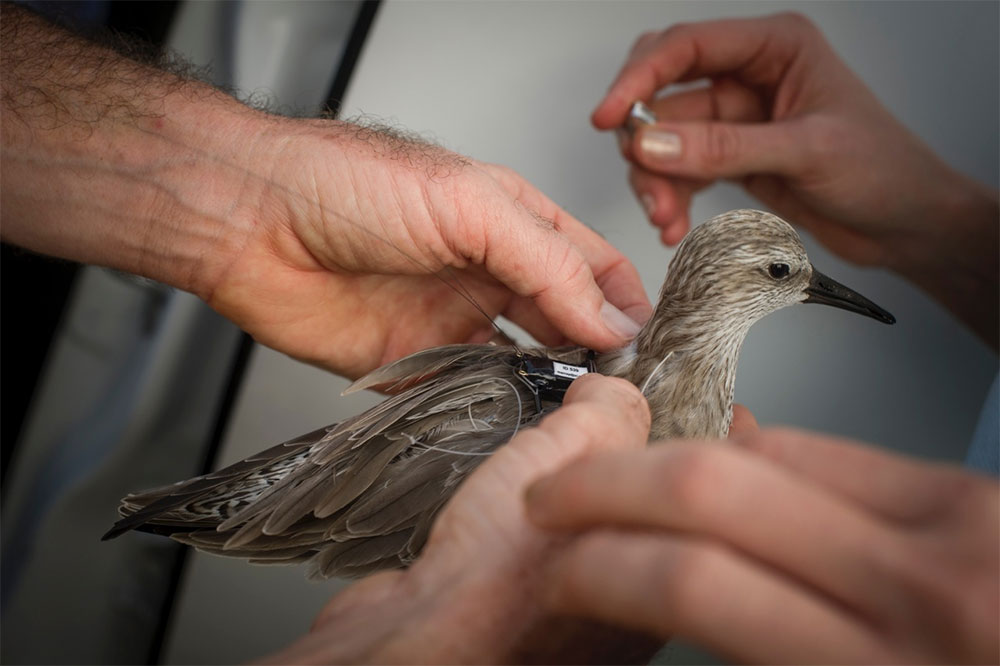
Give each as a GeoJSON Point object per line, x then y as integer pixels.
{"type": "Point", "coordinates": [362, 495]}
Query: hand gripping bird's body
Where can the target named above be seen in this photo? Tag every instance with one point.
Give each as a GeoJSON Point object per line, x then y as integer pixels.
{"type": "Point", "coordinates": [361, 495]}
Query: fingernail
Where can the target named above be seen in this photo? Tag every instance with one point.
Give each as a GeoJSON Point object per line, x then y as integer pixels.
{"type": "Point", "coordinates": [619, 322]}
{"type": "Point", "coordinates": [660, 145]}
{"type": "Point", "coordinates": [648, 203]}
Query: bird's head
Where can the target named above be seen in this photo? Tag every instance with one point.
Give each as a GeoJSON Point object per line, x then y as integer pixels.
{"type": "Point", "coordinates": [742, 265]}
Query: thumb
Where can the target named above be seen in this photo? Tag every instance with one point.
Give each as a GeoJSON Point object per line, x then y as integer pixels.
{"type": "Point", "coordinates": [718, 149]}
{"type": "Point", "coordinates": [543, 265]}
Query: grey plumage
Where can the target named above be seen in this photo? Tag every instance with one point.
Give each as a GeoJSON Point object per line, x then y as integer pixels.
{"type": "Point", "coordinates": [362, 494]}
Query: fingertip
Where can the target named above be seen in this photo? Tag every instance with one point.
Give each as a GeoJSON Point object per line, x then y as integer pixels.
{"type": "Point", "coordinates": [744, 423]}
{"type": "Point", "coordinates": [618, 323]}
{"type": "Point", "coordinates": [595, 386]}
{"type": "Point", "coordinates": [610, 112]}
{"type": "Point", "coordinates": [597, 114]}
{"type": "Point", "coordinates": [674, 232]}
{"type": "Point", "coordinates": [625, 407]}
{"type": "Point", "coordinates": [640, 312]}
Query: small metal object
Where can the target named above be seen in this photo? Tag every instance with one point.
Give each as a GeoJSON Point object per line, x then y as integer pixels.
{"type": "Point", "coordinates": [638, 115]}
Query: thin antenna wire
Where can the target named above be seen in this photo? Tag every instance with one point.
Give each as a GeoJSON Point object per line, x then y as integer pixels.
{"type": "Point", "coordinates": [652, 374]}
{"type": "Point", "coordinates": [432, 447]}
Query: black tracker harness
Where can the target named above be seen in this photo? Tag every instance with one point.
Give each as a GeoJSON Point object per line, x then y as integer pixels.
{"type": "Point", "coordinates": [548, 379]}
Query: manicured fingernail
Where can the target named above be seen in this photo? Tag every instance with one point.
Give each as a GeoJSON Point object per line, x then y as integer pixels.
{"type": "Point", "coordinates": [660, 145]}
{"type": "Point", "coordinates": [648, 204]}
{"type": "Point", "coordinates": [619, 322]}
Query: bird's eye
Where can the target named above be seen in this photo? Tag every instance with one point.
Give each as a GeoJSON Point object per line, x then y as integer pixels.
{"type": "Point", "coordinates": [778, 271]}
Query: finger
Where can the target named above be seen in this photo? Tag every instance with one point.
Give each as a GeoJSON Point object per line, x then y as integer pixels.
{"type": "Point", "coordinates": [756, 51]}
{"type": "Point", "coordinates": [710, 595]}
{"type": "Point", "coordinates": [622, 411]}
{"type": "Point", "coordinates": [893, 486]}
{"type": "Point", "coordinates": [614, 273]}
{"type": "Point", "coordinates": [703, 489]}
{"type": "Point", "coordinates": [525, 313]}
{"type": "Point", "coordinates": [711, 150]}
{"type": "Point", "coordinates": [725, 99]}
{"type": "Point", "coordinates": [667, 202]}
{"type": "Point", "coordinates": [598, 414]}
{"type": "Point", "coordinates": [586, 288]}
{"type": "Point", "coordinates": [744, 423]}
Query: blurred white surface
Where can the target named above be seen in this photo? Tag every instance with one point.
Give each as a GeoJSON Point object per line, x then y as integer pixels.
{"type": "Point", "coordinates": [514, 83]}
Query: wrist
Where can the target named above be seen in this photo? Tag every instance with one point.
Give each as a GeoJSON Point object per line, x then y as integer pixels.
{"type": "Point", "coordinates": [952, 252]}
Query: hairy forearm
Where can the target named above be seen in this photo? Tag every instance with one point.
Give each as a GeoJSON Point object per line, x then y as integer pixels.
{"type": "Point", "coordinates": [110, 161]}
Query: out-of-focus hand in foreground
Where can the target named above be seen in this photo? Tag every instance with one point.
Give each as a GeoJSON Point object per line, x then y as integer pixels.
{"type": "Point", "coordinates": [785, 547]}
{"type": "Point", "coordinates": [475, 594]}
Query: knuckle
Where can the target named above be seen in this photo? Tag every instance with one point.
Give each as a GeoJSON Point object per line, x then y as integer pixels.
{"type": "Point", "coordinates": [796, 21]}
{"type": "Point", "coordinates": [721, 145]}
{"type": "Point", "coordinates": [575, 574]}
{"type": "Point", "coordinates": [771, 441]}
{"type": "Point", "coordinates": [645, 38]}
{"type": "Point", "coordinates": [826, 136]}
{"type": "Point", "coordinates": [695, 476]}
{"type": "Point", "coordinates": [677, 30]}
{"type": "Point", "coordinates": [575, 485]}
{"type": "Point", "coordinates": [570, 266]}
{"type": "Point", "coordinates": [646, 42]}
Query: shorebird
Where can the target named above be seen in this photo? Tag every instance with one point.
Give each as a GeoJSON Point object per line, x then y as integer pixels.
{"type": "Point", "coordinates": [362, 494]}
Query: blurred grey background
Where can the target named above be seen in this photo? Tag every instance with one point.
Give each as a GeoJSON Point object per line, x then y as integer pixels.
{"type": "Point", "coordinates": [132, 383]}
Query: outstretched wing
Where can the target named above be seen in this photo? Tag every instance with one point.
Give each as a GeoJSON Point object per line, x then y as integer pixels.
{"type": "Point", "coordinates": [360, 495]}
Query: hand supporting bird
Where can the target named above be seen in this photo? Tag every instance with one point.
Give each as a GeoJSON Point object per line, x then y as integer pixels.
{"type": "Point", "coordinates": [337, 244]}
{"type": "Point", "coordinates": [362, 495]}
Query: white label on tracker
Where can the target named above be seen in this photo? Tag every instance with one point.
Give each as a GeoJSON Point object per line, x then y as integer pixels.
{"type": "Point", "coordinates": [568, 371]}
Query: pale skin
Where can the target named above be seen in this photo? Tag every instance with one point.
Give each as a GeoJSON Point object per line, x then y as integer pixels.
{"type": "Point", "coordinates": [832, 550]}
{"type": "Point", "coordinates": [184, 185]}
{"type": "Point", "coordinates": [319, 238]}
{"type": "Point", "coordinates": [783, 116]}
{"type": "Point", "coordinates": [837, 558]}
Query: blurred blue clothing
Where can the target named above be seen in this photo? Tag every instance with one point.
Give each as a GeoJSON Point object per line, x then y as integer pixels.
{"type": "Point", "coordinates": [984, 452]}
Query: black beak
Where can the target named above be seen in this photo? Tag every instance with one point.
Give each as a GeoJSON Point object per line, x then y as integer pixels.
{"type": "Point", "coordinates": [824, 290]}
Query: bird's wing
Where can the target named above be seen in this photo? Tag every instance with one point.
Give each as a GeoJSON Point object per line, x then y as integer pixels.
{"type": "Point", "coordinates": [358, 495]}
{"type": "Point", "coordinates": [408, 371]}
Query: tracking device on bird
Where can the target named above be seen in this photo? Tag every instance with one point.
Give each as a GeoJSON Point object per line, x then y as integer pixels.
{"type": "Point", "coordinates": [548, 379]}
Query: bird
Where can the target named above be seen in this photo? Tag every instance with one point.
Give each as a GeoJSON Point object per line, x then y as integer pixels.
{"type": "Point", "coordinates": [361, 495]}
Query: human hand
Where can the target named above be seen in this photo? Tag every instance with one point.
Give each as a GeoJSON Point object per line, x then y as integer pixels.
{"type": "Point", "coordinates": [365, 243]}
{"type": "Point", "coordinates": [473, 596]}
{"type": "Point", "coordinates": [786, 118]}
{"type": "Point", "coordinates": [785, 547]}
{"type": "Point", "coordinates": [783, 114]}
{"type": "Point", "coordinates": [323, 239]}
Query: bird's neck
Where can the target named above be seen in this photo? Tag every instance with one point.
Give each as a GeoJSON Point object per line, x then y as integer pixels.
{"type": "Point", "coordinates": [685, 364]}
